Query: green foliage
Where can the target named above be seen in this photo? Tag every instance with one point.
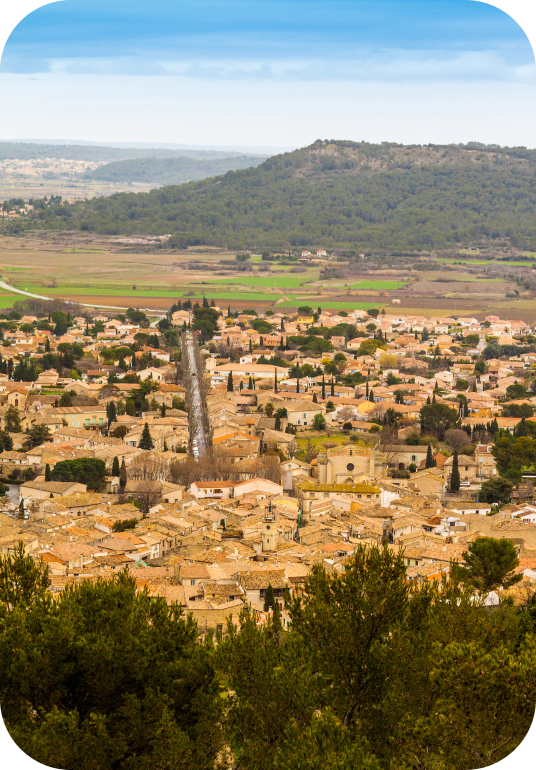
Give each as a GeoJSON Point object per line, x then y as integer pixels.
{"type": "Point", "coordinates": [436, 419]}
{"type": "Point", "coordinates": [319, 422]}
{"type": "Point", "coordinates": [325, 744]}
{"type": "Point", "coordinates": [6, 442]}
{"type": "Point", "coordinates": [84, 470]}
{"type": "Point", "coordinates": [455, 474]}
{"type": "Point", "coordinates": [23, 580]}
{"type": "Point", "coordinates": [490, 564]}
{"type": "Point", "coordinates": [37, 435]}
{"type": "Point", "coordinates": [146, 441]}
{"type": "Point", "coordinates": [513, 455]}
{"type": "Point", "coordinates": [12, 420]}
{"type": "Point", "coordinates": [112, 680]}
{"type": "Point", "coordinates": [123, 525]}
{"type": "Point", "coordinates": [496, 491]}
{"type": "Point", "coordinates": [350, 195]}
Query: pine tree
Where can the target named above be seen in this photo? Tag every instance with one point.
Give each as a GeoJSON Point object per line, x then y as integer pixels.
{"type": "Point", "coordinates": [429, 457]}
{"type": "Point", "coordinates": [123, 477]}
{"type": "Point", "coordinates": [146, 441]}
{"type": "Point", "coordinates": [48, 476]}
{"type": "Point", "coordinates": [230, 386]}
{"type": "Point", "coordinates": [115, 466]}
{"type": "Point", "coordinates": [455, 475]}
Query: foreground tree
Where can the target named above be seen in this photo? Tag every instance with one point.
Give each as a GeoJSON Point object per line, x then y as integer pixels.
{"type": "Point", "coordinates": [112, 680]}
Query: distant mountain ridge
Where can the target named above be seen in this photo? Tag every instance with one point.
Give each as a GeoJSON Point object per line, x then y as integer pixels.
{"type": "Point", "coordinates": [166, 171]}
{"type": "Point", "coordinates": [91, 152]}
{"type": "Point", "coordinates": [337, 194]}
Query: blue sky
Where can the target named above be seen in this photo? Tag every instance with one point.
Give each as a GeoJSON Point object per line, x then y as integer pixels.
{"type": "Point", "coordinates": [442, 63]}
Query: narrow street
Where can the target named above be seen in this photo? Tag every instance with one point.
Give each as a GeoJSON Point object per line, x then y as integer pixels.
{"type": "Point", "coordinates": [196, 415]}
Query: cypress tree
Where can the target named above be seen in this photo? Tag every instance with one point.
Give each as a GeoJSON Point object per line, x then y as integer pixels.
{"type": "Point", "coordinates": [111, 412]}
{"type": "Point", "coordinates": [315, 399]}
{"type": "Point", "coordinates": [146, 441]}
{"type": "Point", "coordinates": [297, 384]}
{"type": "Point", "coordinates": [123, 476]}
{"type": "Point", "coordinates": [115, 466]}
{"type": "Point", "coordinates": [371, 395]}
{"type": "Point", "coordinates": [433, 398]}
{"type": "Point", "coordinates": [230, 387]}
{"type": "Point", "coordinates": [277, 425]}
{"type": "Point", "coordinates": [323, 388]}
{"type": "Point", "coordinates": [269, 598]}
{"type": "Point", "coordinates": [332, 391]}
{"type": "Point", "coordinates": [367, 390]}
{"type": "Point", "coordinates": [275, 380]}
{"type": "Point", "coordinates": [455, 475]}
{"type": "Point", "coordinates": [48, 476]}
{"type": "Point", "coordinates": [163, 410]}
{"type": "Point", "coordinates": [428, 402]}
{"type": "Point", "coordinates": [250, 383]}
{"type": "Point", "coordinates": [429, 457]}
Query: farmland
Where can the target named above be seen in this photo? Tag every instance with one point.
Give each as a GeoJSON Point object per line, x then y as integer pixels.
{"type": "Point", "coordinates": [140, 273]}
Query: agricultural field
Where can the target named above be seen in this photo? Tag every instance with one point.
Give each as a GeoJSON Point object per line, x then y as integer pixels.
{"type": "Point", "coordinates": [75, 190]}
{"type": "Point", "coordinates": [120, 272]}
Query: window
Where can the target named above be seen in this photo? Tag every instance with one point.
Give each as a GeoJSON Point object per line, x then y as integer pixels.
{"type": "Point", "coordinates": [350, 467]}
{"type": "Point", "coordinates": [413, 458]}
{"type": "Point", "coordinates": [100, 420]}
{"type": "Point", "coordinates": [192, 582]}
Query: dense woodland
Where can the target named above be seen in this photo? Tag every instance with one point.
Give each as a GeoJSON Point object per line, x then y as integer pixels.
{"type": "Point", "coordinates": [165, 171]}
{"type": "Point", "coordinates": [375, 673]}
{"type": "Point", "coordinates": [336, 194]}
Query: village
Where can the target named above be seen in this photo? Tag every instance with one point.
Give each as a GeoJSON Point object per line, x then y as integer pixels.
{"type": "Point", "coordinates": [323, 432]}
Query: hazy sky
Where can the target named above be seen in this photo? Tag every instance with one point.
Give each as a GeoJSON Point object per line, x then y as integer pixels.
{"type": "Point", "coordinates": [269, 72]}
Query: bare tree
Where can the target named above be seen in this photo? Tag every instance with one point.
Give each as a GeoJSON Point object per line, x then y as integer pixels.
{"type": "Point", "coordinates": [148, 467]}
{"type": "Point", "coordinates": [148, 494]}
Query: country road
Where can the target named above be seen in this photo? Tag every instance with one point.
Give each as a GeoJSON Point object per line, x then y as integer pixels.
{"type": "Point", "coordinates": [4, 285]}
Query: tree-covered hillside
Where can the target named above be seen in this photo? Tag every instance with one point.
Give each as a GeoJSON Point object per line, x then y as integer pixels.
{"type": "Point", "coordinates": [99, 152]}
{"type": "Point", "coordinates": [165, 171]}
{"type": "Point", "coordinates": [335, 194]}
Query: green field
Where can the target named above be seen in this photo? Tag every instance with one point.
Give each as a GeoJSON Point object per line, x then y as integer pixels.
{"type": "Point", "coordinates": [7, 301]}
{"type": "Point", "coordinates": [325, 303]}
{"type": "Point", "coordinates": [379, 285]}
{"type": "Point", "coordinates": [280, 281]}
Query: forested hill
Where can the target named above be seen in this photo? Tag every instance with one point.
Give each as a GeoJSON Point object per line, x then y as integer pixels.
{"type": "Point", "coordinates": [333, 194]}
{"type": "Point", "coordinates": [165, 171]}
{"type": "Point", "coordinates": [99, 152]}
